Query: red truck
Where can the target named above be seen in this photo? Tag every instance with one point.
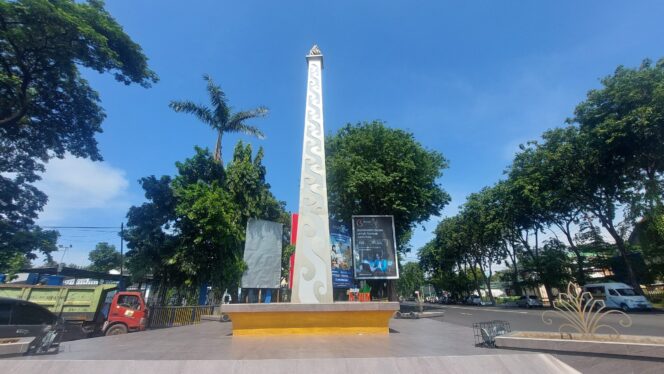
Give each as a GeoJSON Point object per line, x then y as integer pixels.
{"type": "Point", "coordinates": [86, 310]}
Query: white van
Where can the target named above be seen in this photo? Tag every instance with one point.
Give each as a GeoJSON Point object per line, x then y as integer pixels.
{"type": "Point", "coordinates": [617, 295]}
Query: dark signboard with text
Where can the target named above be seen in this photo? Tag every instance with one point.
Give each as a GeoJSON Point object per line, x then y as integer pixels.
{"type": "Point", "coordinates": [374, 248]}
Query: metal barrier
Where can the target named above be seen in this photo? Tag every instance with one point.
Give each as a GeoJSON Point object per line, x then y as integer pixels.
{"type": "Point", "coordinates": [171, 316]}
{"type": "Point", "coordinates": [655, 296]}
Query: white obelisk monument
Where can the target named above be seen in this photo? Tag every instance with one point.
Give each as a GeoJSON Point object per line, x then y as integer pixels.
{"type": "Point", "coordinates": [312, 276]}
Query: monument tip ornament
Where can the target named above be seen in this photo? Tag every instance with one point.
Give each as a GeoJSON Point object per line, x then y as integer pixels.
{"type": "Point", "coordinates": [315, 51]}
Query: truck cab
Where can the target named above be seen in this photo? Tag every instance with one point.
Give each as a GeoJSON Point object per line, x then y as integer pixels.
{"type": "Point", "coordinates": [127, 312]}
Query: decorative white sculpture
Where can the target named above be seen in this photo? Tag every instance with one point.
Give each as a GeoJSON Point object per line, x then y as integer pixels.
{"type": "Point", "coordinates": [312, 277]}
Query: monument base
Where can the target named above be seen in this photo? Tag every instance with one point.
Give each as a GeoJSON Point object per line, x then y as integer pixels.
{"type": "Point", "coordinates": [342, 318]}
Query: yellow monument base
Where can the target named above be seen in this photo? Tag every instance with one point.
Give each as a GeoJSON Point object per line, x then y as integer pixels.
{"type": "Point", "coordinates": [343, 318]}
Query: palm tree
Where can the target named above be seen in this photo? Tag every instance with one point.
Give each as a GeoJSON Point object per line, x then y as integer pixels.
{"type": "Point", "coordinates": [219, 117]}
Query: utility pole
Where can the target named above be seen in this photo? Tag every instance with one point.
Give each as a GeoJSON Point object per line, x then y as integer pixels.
{"type": "Point", "coordinates": [61, 265]}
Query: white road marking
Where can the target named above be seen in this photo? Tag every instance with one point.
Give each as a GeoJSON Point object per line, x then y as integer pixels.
{"type": "Point", "coordinates": [487, 309]}
{"type": "Point", "coordinates": [465, 314]}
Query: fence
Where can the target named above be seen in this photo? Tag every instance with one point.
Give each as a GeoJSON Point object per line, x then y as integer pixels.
{"type": "Point", "coordinates": [655, 296]}
{"type": "Point", "coordinates": [171, 316]}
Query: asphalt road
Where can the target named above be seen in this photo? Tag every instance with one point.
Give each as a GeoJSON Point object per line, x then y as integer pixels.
{"type": "Point", "coordinates": [643, 323]}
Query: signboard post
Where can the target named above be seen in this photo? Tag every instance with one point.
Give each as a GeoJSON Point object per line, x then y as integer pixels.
{"type": "Point", "coordinates": [374, 248]}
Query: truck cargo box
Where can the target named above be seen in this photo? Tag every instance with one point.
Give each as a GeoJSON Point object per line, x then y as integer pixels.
{"type": "Point", "coordinates": [71, 303]}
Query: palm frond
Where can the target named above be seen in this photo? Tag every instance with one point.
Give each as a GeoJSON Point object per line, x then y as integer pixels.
{"type": "Point", "coordinates": [239, 117]}
{"type": "Point", "coordinates": [249, 130]}
{"type": "Point", "coordinates": [217, 96]}
{"type": "Point", "coordinates": [201, 112]}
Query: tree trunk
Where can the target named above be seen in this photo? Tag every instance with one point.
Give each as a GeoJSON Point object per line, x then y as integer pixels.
{"type": "Point", "coordinates": [392, 294]}
{"type": "Point", "coordinates": [549, 294]}
{"type": "Point", "coordinates": [581, 275]}
{"type": "Point", "coordinates": [475, 280]}
{"type": "Point", "coordinates": [653, 190]}
{"type": "Point", "coordinates": [217, 150]}
{"type": "Point", "coordinates": [515, 271]}
{"type": "Point", "coordinates": [620, 243]}
{"type": "Point", "coordinates": [487, 280]}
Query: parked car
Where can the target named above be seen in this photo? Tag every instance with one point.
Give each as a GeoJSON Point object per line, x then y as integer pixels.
{"type": "Point", "coordinates": [474, 300]}
{"type": "Point", "coordinates": [618, 295]}
{"type": "Point", "coordinates": [531, 301]}
{"type": "Point", "coordinates": [25, 322]}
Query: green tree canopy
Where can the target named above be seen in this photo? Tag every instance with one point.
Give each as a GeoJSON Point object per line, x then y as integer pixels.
{"type": "Point", "coordinates": [625, 123]}
{"type": "Point", "coordinates": [104, 258]}
{"type": "Point", "coordinates": [46, 107]}
{"type": "Point", "coordinates": [604, 170]}
{"type": "Point", "coordinates": [150, 234]}
{"type": "Point", "coordinates": [411, 279]}
{"type": "Point", "coordinates": [551, 268]}
{"type": "Point", "coordinates": [373, 169]}
{"type": "Point", "coordinates": [192, 228]}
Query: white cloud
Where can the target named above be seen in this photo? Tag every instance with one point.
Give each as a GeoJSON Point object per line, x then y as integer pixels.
{"type": "Point", "coordinates": [74, 184]}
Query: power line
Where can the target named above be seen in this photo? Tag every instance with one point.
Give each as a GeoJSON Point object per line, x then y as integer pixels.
{"type": "Point", "coordinates": [80, 227]}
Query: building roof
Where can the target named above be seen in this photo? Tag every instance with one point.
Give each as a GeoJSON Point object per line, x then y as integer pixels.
{"type": "Point", "coordinates": [74, 273]}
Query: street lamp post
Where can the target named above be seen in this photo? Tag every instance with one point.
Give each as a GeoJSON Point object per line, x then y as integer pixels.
{"type": "Point", "coordinates": [62, 258]}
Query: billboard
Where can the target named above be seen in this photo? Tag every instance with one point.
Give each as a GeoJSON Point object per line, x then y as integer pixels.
{"type": "Point", "coordinates": [342, 256]}
{"type": "Point", "coordinates": [374, 248]}
{"type": "Point", "coordinates": [262, 254]}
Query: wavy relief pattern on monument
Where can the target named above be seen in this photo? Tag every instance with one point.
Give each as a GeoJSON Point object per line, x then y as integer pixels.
{"type": "Point", "coordinates": [314, 209]}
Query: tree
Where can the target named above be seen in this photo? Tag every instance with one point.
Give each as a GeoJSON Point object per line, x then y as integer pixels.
{"type": "Point", "coordinates": [219, 116]}
{"type": "Point", "coordinates": [625, 123]}
{"type": "Point", "coordinates": [104, 258]}
{"type": "Point", "coordinates": [451, 258]}
{"type": "Point", "coordinates": [21, 246]}
{"type": "Point", "coordinates": [410, 280]}
{"type": "Point", "coordinates": [245, 181]}
{"type": "Point", "coordinates": [191, 231]}
{"type": "Point", "coordinates": [544, 174]}
{"type": "Point", "coordinates": [149, 234]}
{"type": "Point", "coordinates": [46, 108]}
{"type": "Point", "coordinates": [13, 263]}
{"type": "Point", "coordinates": [553, 268]}
{"type": "Point", "coordinates": [373, 169]}
{"type": "Point", "coordinates": [480, 218]}
{"type": "Point", "coordinates": [210, 235]}
{"type": "Point", "coordinates": [286, 253]}
{"type": "Point", "coordinates": [597, 183]}
{"type": "Point", "coordinates": [649, 236]}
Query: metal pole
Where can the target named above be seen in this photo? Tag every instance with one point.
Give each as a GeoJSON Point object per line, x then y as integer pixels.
{"type": "Point", "coordinates": [61, 265]}
{"type": "Point", "coordinates": [121, 249]}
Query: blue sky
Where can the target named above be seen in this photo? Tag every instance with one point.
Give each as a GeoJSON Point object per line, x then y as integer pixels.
{"type": "Point", "coordinates": [470, 79]}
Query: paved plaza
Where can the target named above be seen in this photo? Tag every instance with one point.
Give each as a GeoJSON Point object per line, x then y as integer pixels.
{"type": "Point", "coordinates": [424, 345]}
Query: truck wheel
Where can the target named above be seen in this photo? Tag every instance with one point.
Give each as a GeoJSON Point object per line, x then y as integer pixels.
{"type": "Point", "coordinates": [118, 329]}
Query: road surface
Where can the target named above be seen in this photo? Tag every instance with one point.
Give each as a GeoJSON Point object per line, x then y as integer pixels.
{"type": "Point", "coordinates": [643, 323]}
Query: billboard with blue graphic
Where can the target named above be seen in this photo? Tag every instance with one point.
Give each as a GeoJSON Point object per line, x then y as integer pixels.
{"type": "Point", "coordinates": [342, 256]}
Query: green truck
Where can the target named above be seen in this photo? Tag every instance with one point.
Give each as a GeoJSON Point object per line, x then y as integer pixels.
{"type": "Point", "coordinates": [86, 310]}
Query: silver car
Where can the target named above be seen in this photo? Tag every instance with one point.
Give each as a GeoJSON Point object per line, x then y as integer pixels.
{"type": "Point", "coordinates": [529, 302]}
